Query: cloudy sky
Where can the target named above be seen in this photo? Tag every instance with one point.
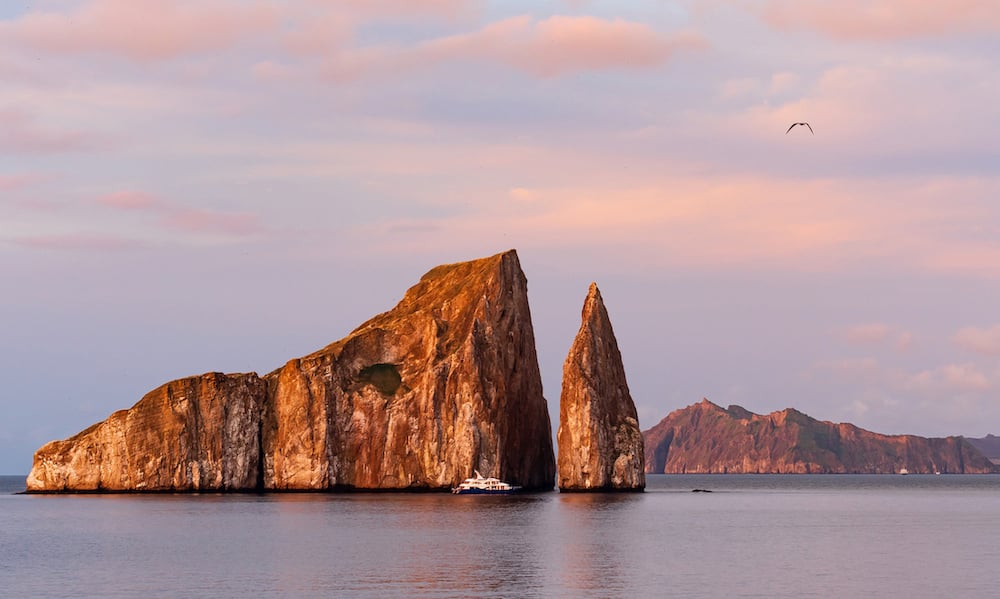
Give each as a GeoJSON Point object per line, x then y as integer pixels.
{"type": "Point", "coordinates": [223, 185]}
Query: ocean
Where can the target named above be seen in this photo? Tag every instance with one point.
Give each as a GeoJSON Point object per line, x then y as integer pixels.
{"type": "Point", "coordinates": [752, 536]}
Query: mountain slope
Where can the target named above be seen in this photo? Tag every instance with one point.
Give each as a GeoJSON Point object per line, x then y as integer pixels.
{"type": "Point", "coordinates": [705, 438]}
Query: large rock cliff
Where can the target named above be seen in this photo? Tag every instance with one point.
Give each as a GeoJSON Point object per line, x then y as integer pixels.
{"type": "Point", "coordinates": [445, 383]}
{"type": "Point", "coordinates": [705, 438]}
{"type": "Point", "coordinates": [191, 434]}
{"type": "Point", "coordinates": [600, 444]}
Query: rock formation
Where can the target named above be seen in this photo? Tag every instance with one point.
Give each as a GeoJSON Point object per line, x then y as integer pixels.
{"type": "Point", "coordinates": [989, 446]}
{"type": "Point", "coordinates": [600, 444]}
{"type": "Point", "coordinates": [191, 434]}
{"type": "Point", "coordinates": [704, 438]}
{"type": "Point", "coordinates": [418, 397]}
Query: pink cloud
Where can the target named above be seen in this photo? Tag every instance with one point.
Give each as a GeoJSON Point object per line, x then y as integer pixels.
{"type": "Point", "coordinates": [982, 341]}
{"type": "Point", "coordinates": [14, 182]}
{"type": "Point", "coordinates": [319, 22]}
{"type": "Point", "coordinates": [143, 30]}
{"type": "Point", "coordinates": [904, 341]}
{"type": "Point", "coordinates": [846, 105]}
{"type": "Point", "coordinates": [968, 258]}
{"type": "Point", "coordinates": [867, 333]}
{"type": "Point", "coordinates": [76, 241]}
{"type": "Point", "coordinates": [965, 377]}
{"type": "Point", "coordinates": [877, 334]}
{"type": "Point", "coordinates": [208, 221]}
{"type": "Point", "coordinates": [881, 19]}
{"type": "Point", "coordinates": [319, 36]}
{"type": "Point", "coordinates": [950, 378]}
{"type": "Point", "coordinates": [19, 133]}
{"type": "Point", "coordinates": [271, 71]}
{"type": "Point", "coordinates": [546, 48]}
{"type": "Point", "coordinates": [867, 369]}
{"type": "Point", "coordinates": [392, 8]}
{"type": "Point", "coordinates": [417, 7]}
{"type": "Point", "coordinates": [944, 380]}
{"type": "Point", "coordinates": [13, 71]}
{"type": "Point", "coordinates": [180, 218]}
{"type": "Point", "coordinates": [322, 28]}
{"type": "Point", "coordinates": [130, 200]}
{"type": "Point", "coordinates": [523, 194]}
{"type": "Point", "coordinates": [562, 44]}
{"type": "Point", "coordinates": [414, 226]}
{"type": "Point", "coordinates": [679, 217]}
{"type": "Point", "coordinates": [34, 204]}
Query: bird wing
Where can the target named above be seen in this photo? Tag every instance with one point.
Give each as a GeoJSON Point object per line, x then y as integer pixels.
{"type": "Point", "coordinates": [790, 128]}
{"type": "Point", "coordinates": [810, 128]}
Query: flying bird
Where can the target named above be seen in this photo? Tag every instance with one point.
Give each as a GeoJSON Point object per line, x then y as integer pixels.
{"type": "Point", "coordinates": [806, 124]}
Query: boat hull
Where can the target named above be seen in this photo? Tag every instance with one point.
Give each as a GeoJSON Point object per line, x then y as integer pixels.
{"type": "Point", "coordinates": [486, 491]}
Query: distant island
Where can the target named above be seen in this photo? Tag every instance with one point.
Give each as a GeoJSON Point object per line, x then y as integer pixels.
{"type": "Point", "coordinates": [706, 438]}
{"type": "Point", "coordinates": [989, 446]}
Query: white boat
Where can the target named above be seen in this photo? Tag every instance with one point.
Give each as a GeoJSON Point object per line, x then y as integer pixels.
{"type": "Point", "coordinates": [904, 471]}
{"type": "Point", "coordinates": [481, 485]}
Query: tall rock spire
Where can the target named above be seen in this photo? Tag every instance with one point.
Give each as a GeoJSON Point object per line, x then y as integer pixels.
{"type": "Point", "coordinates": [600, 444]}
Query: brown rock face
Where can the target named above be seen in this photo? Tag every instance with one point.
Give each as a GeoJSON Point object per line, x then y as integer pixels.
{"type": "Point", "coordinates": [704, 438]}
{"type": "Point", "coordinates": [445, 383]}
{"type": "Point", "coordinates": [420, 396]}
{"type": "Point", "coordinates": [600, 445]}
{"type": "Point", "coordinates": [198, 433]}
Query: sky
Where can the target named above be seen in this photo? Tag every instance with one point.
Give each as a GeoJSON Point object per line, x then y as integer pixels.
{"type": "Point", "coordinates": [223, 185]}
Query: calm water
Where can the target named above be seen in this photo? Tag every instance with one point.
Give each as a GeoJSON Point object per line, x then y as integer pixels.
{"type": "Point", "coordinates": [753, 536]}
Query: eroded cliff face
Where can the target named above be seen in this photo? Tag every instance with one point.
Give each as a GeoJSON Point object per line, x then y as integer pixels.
{"type": "Point", "coordinates": [600, 444]}
{"type": "Point", "coordinates": [197, 433]}
{"type": "Point", "coordinates": [705, 438]}
{"type": "Point", "coordinates": [418, 397]}
{"type": "Point", "coordinates": [445, 383]}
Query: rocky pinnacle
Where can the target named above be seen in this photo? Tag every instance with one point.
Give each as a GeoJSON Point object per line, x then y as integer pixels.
{"type": "Point", "coordinates": [600, 444]}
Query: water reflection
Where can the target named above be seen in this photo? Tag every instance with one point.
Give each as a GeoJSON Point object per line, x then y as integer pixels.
{"type": "Point", "coordinates": [595, 544]}
{"type": "Point", "coordinates": [789, 536]}
{"type": "Point", "coordinates": [493, 546]}
{"type": "Point", "coordinates": [407, 545]}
